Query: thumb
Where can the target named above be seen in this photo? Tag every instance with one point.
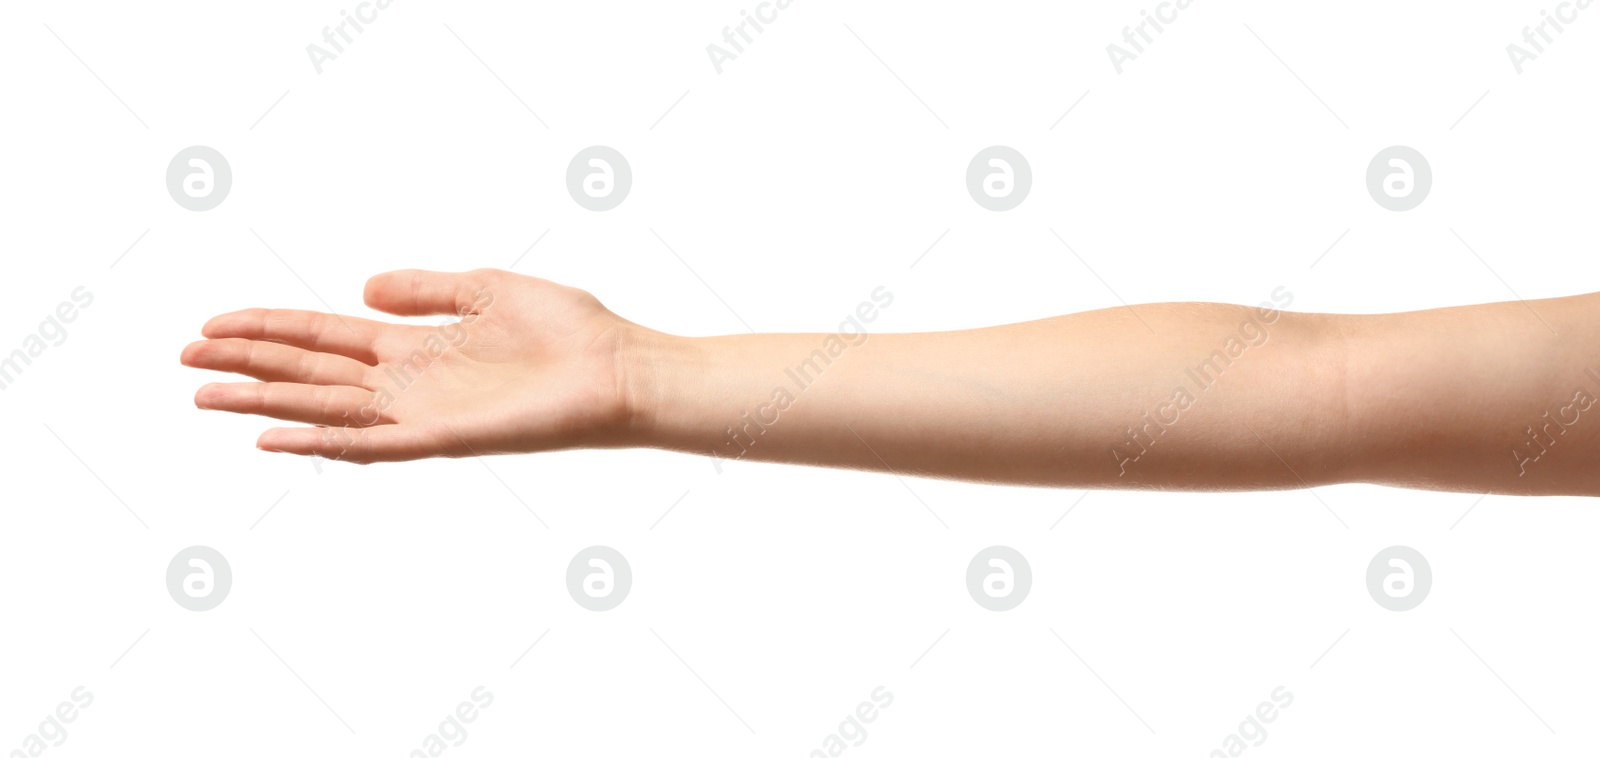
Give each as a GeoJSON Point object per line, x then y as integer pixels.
{"type": "Point", "coordinates": [412, 292]}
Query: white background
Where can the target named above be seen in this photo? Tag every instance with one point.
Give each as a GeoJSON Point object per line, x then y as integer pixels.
{"type": "Point", "coordinates": [794, 183]}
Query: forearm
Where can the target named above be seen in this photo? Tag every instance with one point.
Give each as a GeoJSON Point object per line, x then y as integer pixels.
{"type": "Point", "coordinates": [1173, 396]}
{"type": "Point", "coordinates": [1094, 399]}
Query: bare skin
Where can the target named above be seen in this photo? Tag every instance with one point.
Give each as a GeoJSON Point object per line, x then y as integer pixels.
{"type": "Point", "coordinates": [1178, 396]}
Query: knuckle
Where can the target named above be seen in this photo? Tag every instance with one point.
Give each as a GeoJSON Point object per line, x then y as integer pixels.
{"type": "Point", "coordinates": [489, 276]}
{"type": "Point", "coordinates": [259, 319]}
{"type": "Point", "coordinates": [305, 365]}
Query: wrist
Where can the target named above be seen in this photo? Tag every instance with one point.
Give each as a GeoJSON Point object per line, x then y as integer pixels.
{"type": "Point", "coordinates": [656, 376]}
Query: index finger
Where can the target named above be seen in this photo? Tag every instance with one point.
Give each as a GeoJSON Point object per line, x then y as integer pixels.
{"type": "Point", "coordinates": [323, 332]}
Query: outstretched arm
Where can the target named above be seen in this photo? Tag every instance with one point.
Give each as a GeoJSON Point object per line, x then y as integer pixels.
{"type": "Point", "coordinates": [1184, 396]}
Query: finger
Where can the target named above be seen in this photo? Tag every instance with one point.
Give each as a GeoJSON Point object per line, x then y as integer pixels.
{"type": "Point", "coordinates": [273, 362]}
{"type": "Point", "coordinates": [303, 403]}
{"type": "Point", "coordinates": [430, 293]}
{"type": "Point", "coordinates": [323, 332]}
{"type": "Point", "coordinates": [372, 444]}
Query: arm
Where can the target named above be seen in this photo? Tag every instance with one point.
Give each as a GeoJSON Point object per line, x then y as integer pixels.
{"type": "Point", "coordinates": [1185, 396]}
{"type": "Point", "coordinates": [1172, 396]}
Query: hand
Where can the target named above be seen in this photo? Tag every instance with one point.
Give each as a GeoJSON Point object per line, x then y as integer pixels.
{"type": "Point", "coordinates": [531, 366]}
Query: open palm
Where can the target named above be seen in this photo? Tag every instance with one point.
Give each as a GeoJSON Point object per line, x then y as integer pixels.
{"type": "Point", "coordinates": [531, 365]}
